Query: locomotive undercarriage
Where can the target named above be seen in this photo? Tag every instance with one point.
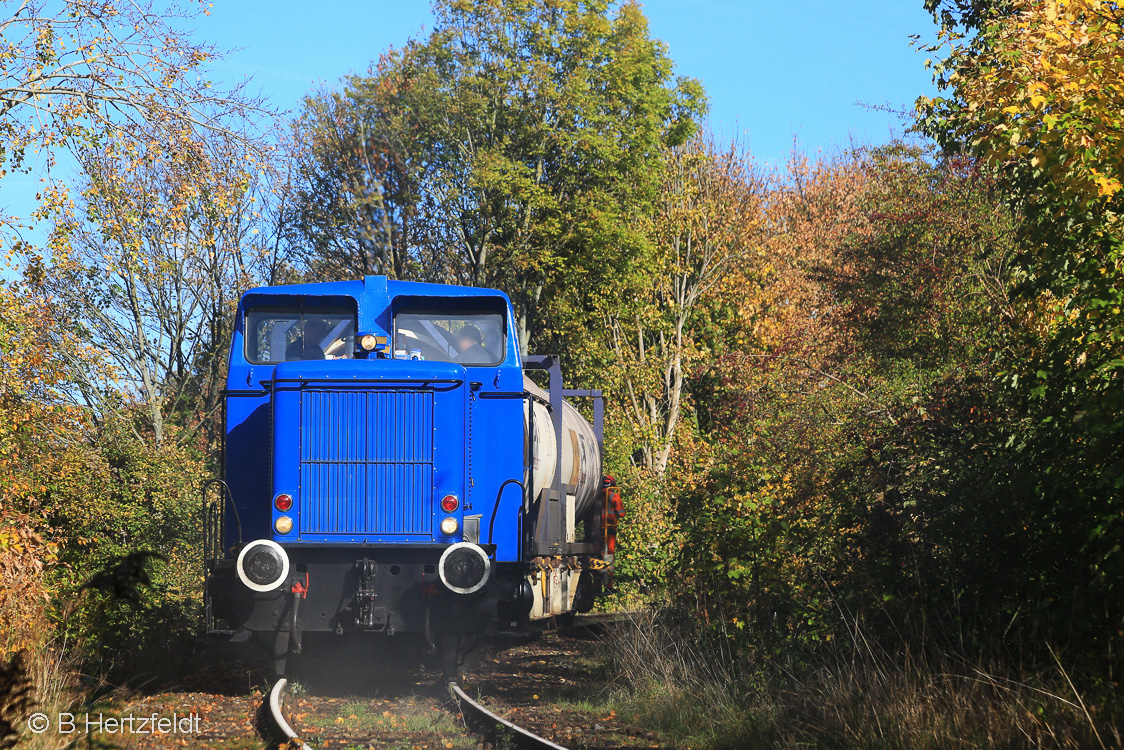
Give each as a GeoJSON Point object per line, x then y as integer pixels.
{"type": "Point", "coordinates": [390, 591]}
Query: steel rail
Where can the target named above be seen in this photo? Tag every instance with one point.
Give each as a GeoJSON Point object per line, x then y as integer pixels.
{"type": "Point", "coordinates": [476, 717]}
{"type": "Point", "coordinates": [288, 735]}
{"type": "Point", "coordinates": [484, 721]}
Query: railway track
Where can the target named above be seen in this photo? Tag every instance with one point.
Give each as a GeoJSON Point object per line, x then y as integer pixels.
{"type": "Point", "coordinates": [494, 727]}
{"type": "Point", "coordinates": [283, 731]}
{"type": "Point", "coordinates": [477, 719]}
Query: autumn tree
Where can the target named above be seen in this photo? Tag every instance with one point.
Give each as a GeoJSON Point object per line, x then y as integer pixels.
{"type": "Point", "coordinates": [1039, 89]}
{"type": "Point", "coordinates": [707, 227]}
{"type": "Point", "coordinates": [1036, 91]}
{"type": "Point", "coordinates": [535, 133]}
{"type": "Point", "coordinates": [74, 74]}
{"type": "Point", "coordinates": [154, 274]}
{"type": "Point", "coordinates": [119, 87]}
{"type": "Point", "coordinates": [354, 183]}
{"type": "Point", "coordinates": [34, 424]}
{"type": "Point", "coordinates": [1035, 87]}
{"type": "Point", "coordinates": [839, 451]}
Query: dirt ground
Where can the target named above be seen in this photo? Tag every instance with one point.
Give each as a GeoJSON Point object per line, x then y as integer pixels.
{"type": "Point", "coordinates": [346, 697]}
{"type": "Point", "coordinates": [555, 687]}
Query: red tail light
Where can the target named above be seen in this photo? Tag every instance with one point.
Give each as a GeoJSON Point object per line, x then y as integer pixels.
{"type": "Point", "coordinates": [449, 503]}
{"type": "Point", "coordinates": [283, 502]}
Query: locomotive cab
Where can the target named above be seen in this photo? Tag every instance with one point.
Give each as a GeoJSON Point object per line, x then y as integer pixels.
{"type": "Point", "coordinates": [389, 469]}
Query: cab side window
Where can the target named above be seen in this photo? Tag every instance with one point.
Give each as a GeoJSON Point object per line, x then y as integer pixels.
{"type": "Point", "coordinates": [469, 338]}
{"type": "Point", "coordinates": [279, 334]}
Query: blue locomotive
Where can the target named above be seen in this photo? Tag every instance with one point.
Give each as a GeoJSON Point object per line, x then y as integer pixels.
{"type": "Point", "coordinates": [389, 468]}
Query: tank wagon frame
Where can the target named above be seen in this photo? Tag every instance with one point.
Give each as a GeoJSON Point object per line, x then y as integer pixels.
{"type": "Point", "coordinates": [389, 468]}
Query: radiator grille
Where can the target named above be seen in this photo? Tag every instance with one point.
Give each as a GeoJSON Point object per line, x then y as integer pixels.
{"type": "Point", "coordinates": [366, 462]}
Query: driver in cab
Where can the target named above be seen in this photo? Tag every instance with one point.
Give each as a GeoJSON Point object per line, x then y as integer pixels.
{"type": "Point", "coordinates": [470, 344]}
{"type": "Point", "coordinates": [310, 345]}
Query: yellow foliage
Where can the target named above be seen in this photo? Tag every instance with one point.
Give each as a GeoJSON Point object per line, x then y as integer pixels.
{"type": "Point", "coordinates": [1047, 86]}
{"type": "Point", "coordinates": [32, 424]}
{"type": "Point", "coordinates": [24, 558]}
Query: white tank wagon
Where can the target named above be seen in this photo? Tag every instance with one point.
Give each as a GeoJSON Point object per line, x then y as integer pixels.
{"type": "Point", "coordinates": [580, 451]}
{"type": "Point", "coordinates": [567, 495]}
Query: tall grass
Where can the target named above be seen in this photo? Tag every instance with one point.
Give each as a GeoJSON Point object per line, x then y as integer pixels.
{"type": "Point", "coordinates": [56, 677]}
{"type": "Point", "coordinates": [49, 674]}
{"type": "Point", "coordinates": [62, 678]}
{"type": "Point", "coordinates": [671, 676]}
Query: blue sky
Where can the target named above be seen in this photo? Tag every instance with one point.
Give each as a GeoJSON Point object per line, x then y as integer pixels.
{"type": "Point", "coordinates": [773, 70]}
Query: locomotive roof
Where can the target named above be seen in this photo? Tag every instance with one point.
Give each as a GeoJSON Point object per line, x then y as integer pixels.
{"type": "Point", "coordinates": [372, 286]}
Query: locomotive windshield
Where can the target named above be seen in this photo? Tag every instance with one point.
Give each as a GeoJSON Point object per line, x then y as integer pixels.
{"type": "Point", "coordinates": [470, 338]}
{"type": "Point", "coordinates": [286, 334]}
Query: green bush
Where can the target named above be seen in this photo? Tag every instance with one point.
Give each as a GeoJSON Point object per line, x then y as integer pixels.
{"type": "Point", "coordinates": [126, 514]}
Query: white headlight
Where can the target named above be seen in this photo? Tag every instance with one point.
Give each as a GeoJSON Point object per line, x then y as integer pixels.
{"type": "Point", "coordinates": [368, 342]}
{"type": "Point", "coordinates": [262, 565]}
{"type": "Point", "coordinates": [464, 568]}
{"type": "Point", "coordinates": [283, 524]}
{"type": "Point", "coordinates": [449, 526]}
